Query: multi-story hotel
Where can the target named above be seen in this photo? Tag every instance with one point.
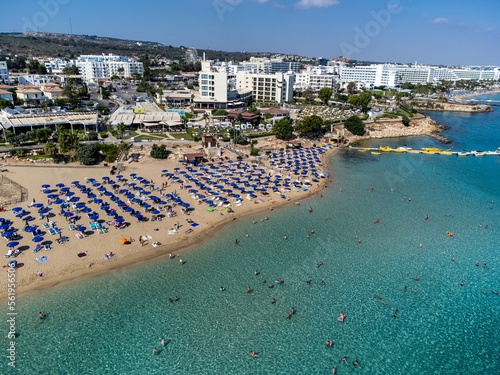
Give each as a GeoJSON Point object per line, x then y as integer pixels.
{"type": "Point", "coordinates": [276, 87]}
{"type": "Point", "coordinates": [96, 67]}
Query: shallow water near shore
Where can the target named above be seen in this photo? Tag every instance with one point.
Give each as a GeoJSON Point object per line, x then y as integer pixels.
{"type": "Point", "coordinates": [110, 324]}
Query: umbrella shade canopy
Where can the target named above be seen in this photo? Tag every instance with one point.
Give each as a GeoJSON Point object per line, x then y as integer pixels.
{"type": "Point", "coordinates": [138, 216]}
{"type": "Point", "coordinates": [129, 209]}
{"type": "Point", "coordinates": [38, 205]}
{"type": "Point", "coordinates": [93, 217]}
{"type": "Point", "coordinates": [69, 194]}
{"type": "Point", "coordinates": [59, 185]}
{"type": "Point", "coordinates": [45, 186]}
{"type": "Point", "coordinates": [52, 196]}
{"type": "Point", "coordinates": [86, 210]}
{"type": "Point", "coordinates": [7, 234]}
{"type": "Point", "coordinates": [91, 196]}
{"type": "Point", "coordinates": [185, 205]}
{"type": "Point", "coordinates": [64, 190]}
{"type": "Point", "coordinates": [120, 220]}
{"type": "Point", "coordinates": [155, 212]}
{"type": "Point", "coordinates": [98, 201]}
{"type": "Point", "coordinates": [16, 209]}
{"type": "Point", "coordinates": [67, 214]}
{"type": "Point", "coordinates": [12, 244]}
{"type": "Point", "coordinates": [112, 213]}
{"type": "Point", "coordinates": [81, 227]}
{"type": "Point", "coordinates": [21, 214]}
{"type": "Point", "coordinates": [58, 201]}
{"type": "Point", "coordinates": [37, 239]}
{"type": "Point", "coordinates": [74, 199]}
{"type": "Point", "coordinates": [30, 229]}
{"type": "Point", "coordinates": [123, 240]}
{"type": "Point", "coordinates": [4, 226]}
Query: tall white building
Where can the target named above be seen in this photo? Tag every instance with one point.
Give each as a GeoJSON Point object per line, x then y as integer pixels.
{"type": "Point", "coordinates": [35, 79]}
{"type": "Point", "coordinates": [270, 66]}
{"type": "Point", "coordinates": [370, 76]}
{"type": "Point", "coordinates": [276, 87]}
{"type": "Point", "coordinates": [215, 89]}
{"type": "Point", "coordinates": [4, 72]}
{"type": "Point", "coordinates": [96, 67]}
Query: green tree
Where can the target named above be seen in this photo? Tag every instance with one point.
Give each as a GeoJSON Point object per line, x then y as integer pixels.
{"type": "Point", "coordinates": [159, 152]}
{"type": "Point", "coordinates": [125, 147]}
{"type": "Point", "coordinates": [398, 97]}
{"type": "Point", "coordinates": [325, 94]}
{"type": "Point", "coordinates": [283, 128]}
{"type": "Point", "coordinates": [50, 148]}
{"type": "Point", "coordinates": [351, 87]}
{"type": "Point", "coordinates": [240, 117]}
{"type": "Point", "coordinates": [92, 135]}
{"type": "Point", "coordinates": [309, 125]}
{"type": "Point", "coordinates": [355, 125]}
{"type": "Point", "coordinates": [354, 100]}
{"type": "Point", "coordinates": [206, 117]}
{"type": "Point", "coordinates": [88, 154]}
{"type": "Point", "coordinates": [308, 94]}
{"type": "Point", "coordinates": [406, 120]}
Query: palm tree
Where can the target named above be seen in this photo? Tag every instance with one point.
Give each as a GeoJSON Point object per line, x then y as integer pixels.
{"type": "Point", "coordinates": [50, 148]}
{"type": "Point", "coordinates": [206, 117]}
{"type": "Point", "coordinates": [122, 128]}
{"type": "Point", "coordinates": [125, 148]}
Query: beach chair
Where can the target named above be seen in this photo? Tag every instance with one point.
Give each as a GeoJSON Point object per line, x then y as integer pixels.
{"type": "Point", "coordinates": [37, 248]}
{"type": "Point", "coordinates": [16, 253]}
{"type": "Point", "coordinates": [52, 231]}
{"type": "Point", "coordinates": [46, 246]}
{"type": "Point", "coordinates": [56, 229]}
{"type": "Point", "coordinates": [72, 227]}
{"type": "Point", "coordinates": [51, 223]}
{"type": "Point", "coordinates": [45, 225]}
{"type": "Point", "coordinates": [92, 225]}
{"type": "Point", "coordinates": [9, 253]}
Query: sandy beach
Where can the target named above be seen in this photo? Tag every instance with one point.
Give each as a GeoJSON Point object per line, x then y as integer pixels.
{"type": "Point", "coordinates": [63, 264]}
{"type": "Point", "coordinates": [465, 96]}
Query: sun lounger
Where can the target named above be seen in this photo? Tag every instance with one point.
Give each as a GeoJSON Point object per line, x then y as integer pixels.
{"type": "Point", "coordinates": [71, 227]}
{"type": "Point", "coordinates": [41, 260]}
{"type": "Point", "coordinates": [37, 248]}
{"type": "Point", "coordinates": [45, 225]}
{"type": "Point", "coordinates": [47, 246]}
{"type": "Point", "coordinates": [9, 253]}
{"type": "Point", "coordinates": [52, 231]}
{"type": "Point", "coordinates": [92, 225]}
{"type": "Point", "coordinates": [56, 229]}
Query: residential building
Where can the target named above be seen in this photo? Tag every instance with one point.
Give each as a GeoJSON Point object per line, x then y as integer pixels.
{"type": "Point", "coordinates": [4, 72]}
{"type": "Point", "coordinates": [316, 82]}
{"type": "Point", "coordinates": [57, 65]}
{"type": "Point", "coordinates": [102, 67]}
{"type": "Point", "coordinates": [270, 66]}
{"type": "Point", "coordinates": [34, 79]}
{"type": "Point", "coordinates": [29, 94]}
{"type": "Point", "coordinates": [276, 87]}
{"type": "Point", "coordinates": [5, 95]}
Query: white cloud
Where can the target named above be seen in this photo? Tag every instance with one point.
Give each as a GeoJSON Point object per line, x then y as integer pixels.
{"type": "Point", "coordinates": [262, 1]}
{"type": "Point", "coordinates": [306, 4]}
{"type": "Point", "coordinates": [441, 20]}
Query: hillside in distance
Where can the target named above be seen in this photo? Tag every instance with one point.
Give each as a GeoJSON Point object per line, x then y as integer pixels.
{"type": "Point", "coordinates": [37, 44]}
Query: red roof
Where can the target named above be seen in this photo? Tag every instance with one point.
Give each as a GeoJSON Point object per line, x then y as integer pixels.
{"type": "Point", "coordinates": [247, 116]}
{"type": "Point", "coordinates": [273, 110]}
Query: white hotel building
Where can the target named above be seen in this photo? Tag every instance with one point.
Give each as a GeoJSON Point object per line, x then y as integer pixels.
{"type": "Point", "coordinates": [57, 65]}
{"type": "Point", "coordinates": [102, 67]}
{"type": "Point", "coordinates": [276, 87]}
{"type": "Point", "coordinates": [370, 76]}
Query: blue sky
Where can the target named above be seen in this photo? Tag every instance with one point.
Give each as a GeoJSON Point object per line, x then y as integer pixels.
{"type": "Point", "coordinates": [428, 31]}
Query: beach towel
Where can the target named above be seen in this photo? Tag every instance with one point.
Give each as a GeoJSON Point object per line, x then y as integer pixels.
{"type": "Point", "coordinates": [80, 255]}
{"type": "Point", "coordinates": [189, 231]}
{"type": "Point", "coordinates": [194, 225]}
{"type": "Point", "coordinates": [79, 235]}
{"type": "Point", "coordinates": [172, 231]}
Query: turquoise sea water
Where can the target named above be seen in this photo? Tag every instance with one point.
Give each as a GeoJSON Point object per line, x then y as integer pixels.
{"type": "Point", "coordinates": [110, 324]}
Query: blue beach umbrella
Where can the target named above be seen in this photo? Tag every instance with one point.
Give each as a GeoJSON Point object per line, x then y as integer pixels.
{"type": "Point", "coordinates": [16, 209]}
{"type": "Point", "coordinates": [74, 199]}
{"type": "Point", "coordinates": [93, 217]}
{"type": "Point", "coordinates": [7, 234]}
{"type": "Point", "coordinates": [129, 209]}
{"type": "Point", "coordinates": [120, 220]}
{"type": "Point", "coordinates": [37, 239]}
{"type": "Point", "coordinates": [91, 196]}
{"type": "Point", "coordinates": [4, 226]}
{"type": "Point", "coordinates": [86, 210]}
{"type": "Point", "coordinates": [45, 186]}
{"type": "Point", "coordinates": [138, 216]}
{"type": "Point", "coordinates": [103, 208]}
{"type": "Point", "coordinates": [21, 214]}
{"type": "Point", "coordinates": [59, 185]}
{"type": "Point", "coordinates": [68, 214]}
{"type": "Point", "coordinates": [75, 183]}
{"type": "Point", "coordinates": [52, 196]}
{"type": "Point", "coordinates": [112, 213]}
{"type": "Point", "coordinates": [12, 244]}
{"type": "Point", "coordinates": [44, 211]}
{"type": "Point", "coordinates": [81, 228]}
{"type": "Point", "coordinates": [58, 201]}
{"type": "Point", "coordinates": [69, 194]}
{"type": "Point", "coordinates": [155, 212]}
{"type": "Point", "coordinates": [98, 201]}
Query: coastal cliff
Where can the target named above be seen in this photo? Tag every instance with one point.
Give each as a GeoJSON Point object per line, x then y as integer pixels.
{"type": "Point", "coordinates": [419, 125]}
{"type": "Point", "coordinates": [430, 105]}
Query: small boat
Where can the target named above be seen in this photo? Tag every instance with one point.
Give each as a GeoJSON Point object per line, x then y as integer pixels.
{"type": "Point", "coordinates": [414, 151]}
{"type": "Point", "coordinates": [364, 150]}
{"type": "Point", "coordinates": [402, 149]}
{"type": "Point", "coordinates": [429, 152]}
{"type": "Point", "coordinates": [445, 153]}
{"type": "Point", "coordinates": [431, 149]}
{"type": "Point", "coordinates": [478, 153]}
{"type": "Point", "coordinates": [376, 153]}
{"type": "Point", "coordinates": [464, 153]}
{"type": "Point", "coordinates": [385, 148]}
